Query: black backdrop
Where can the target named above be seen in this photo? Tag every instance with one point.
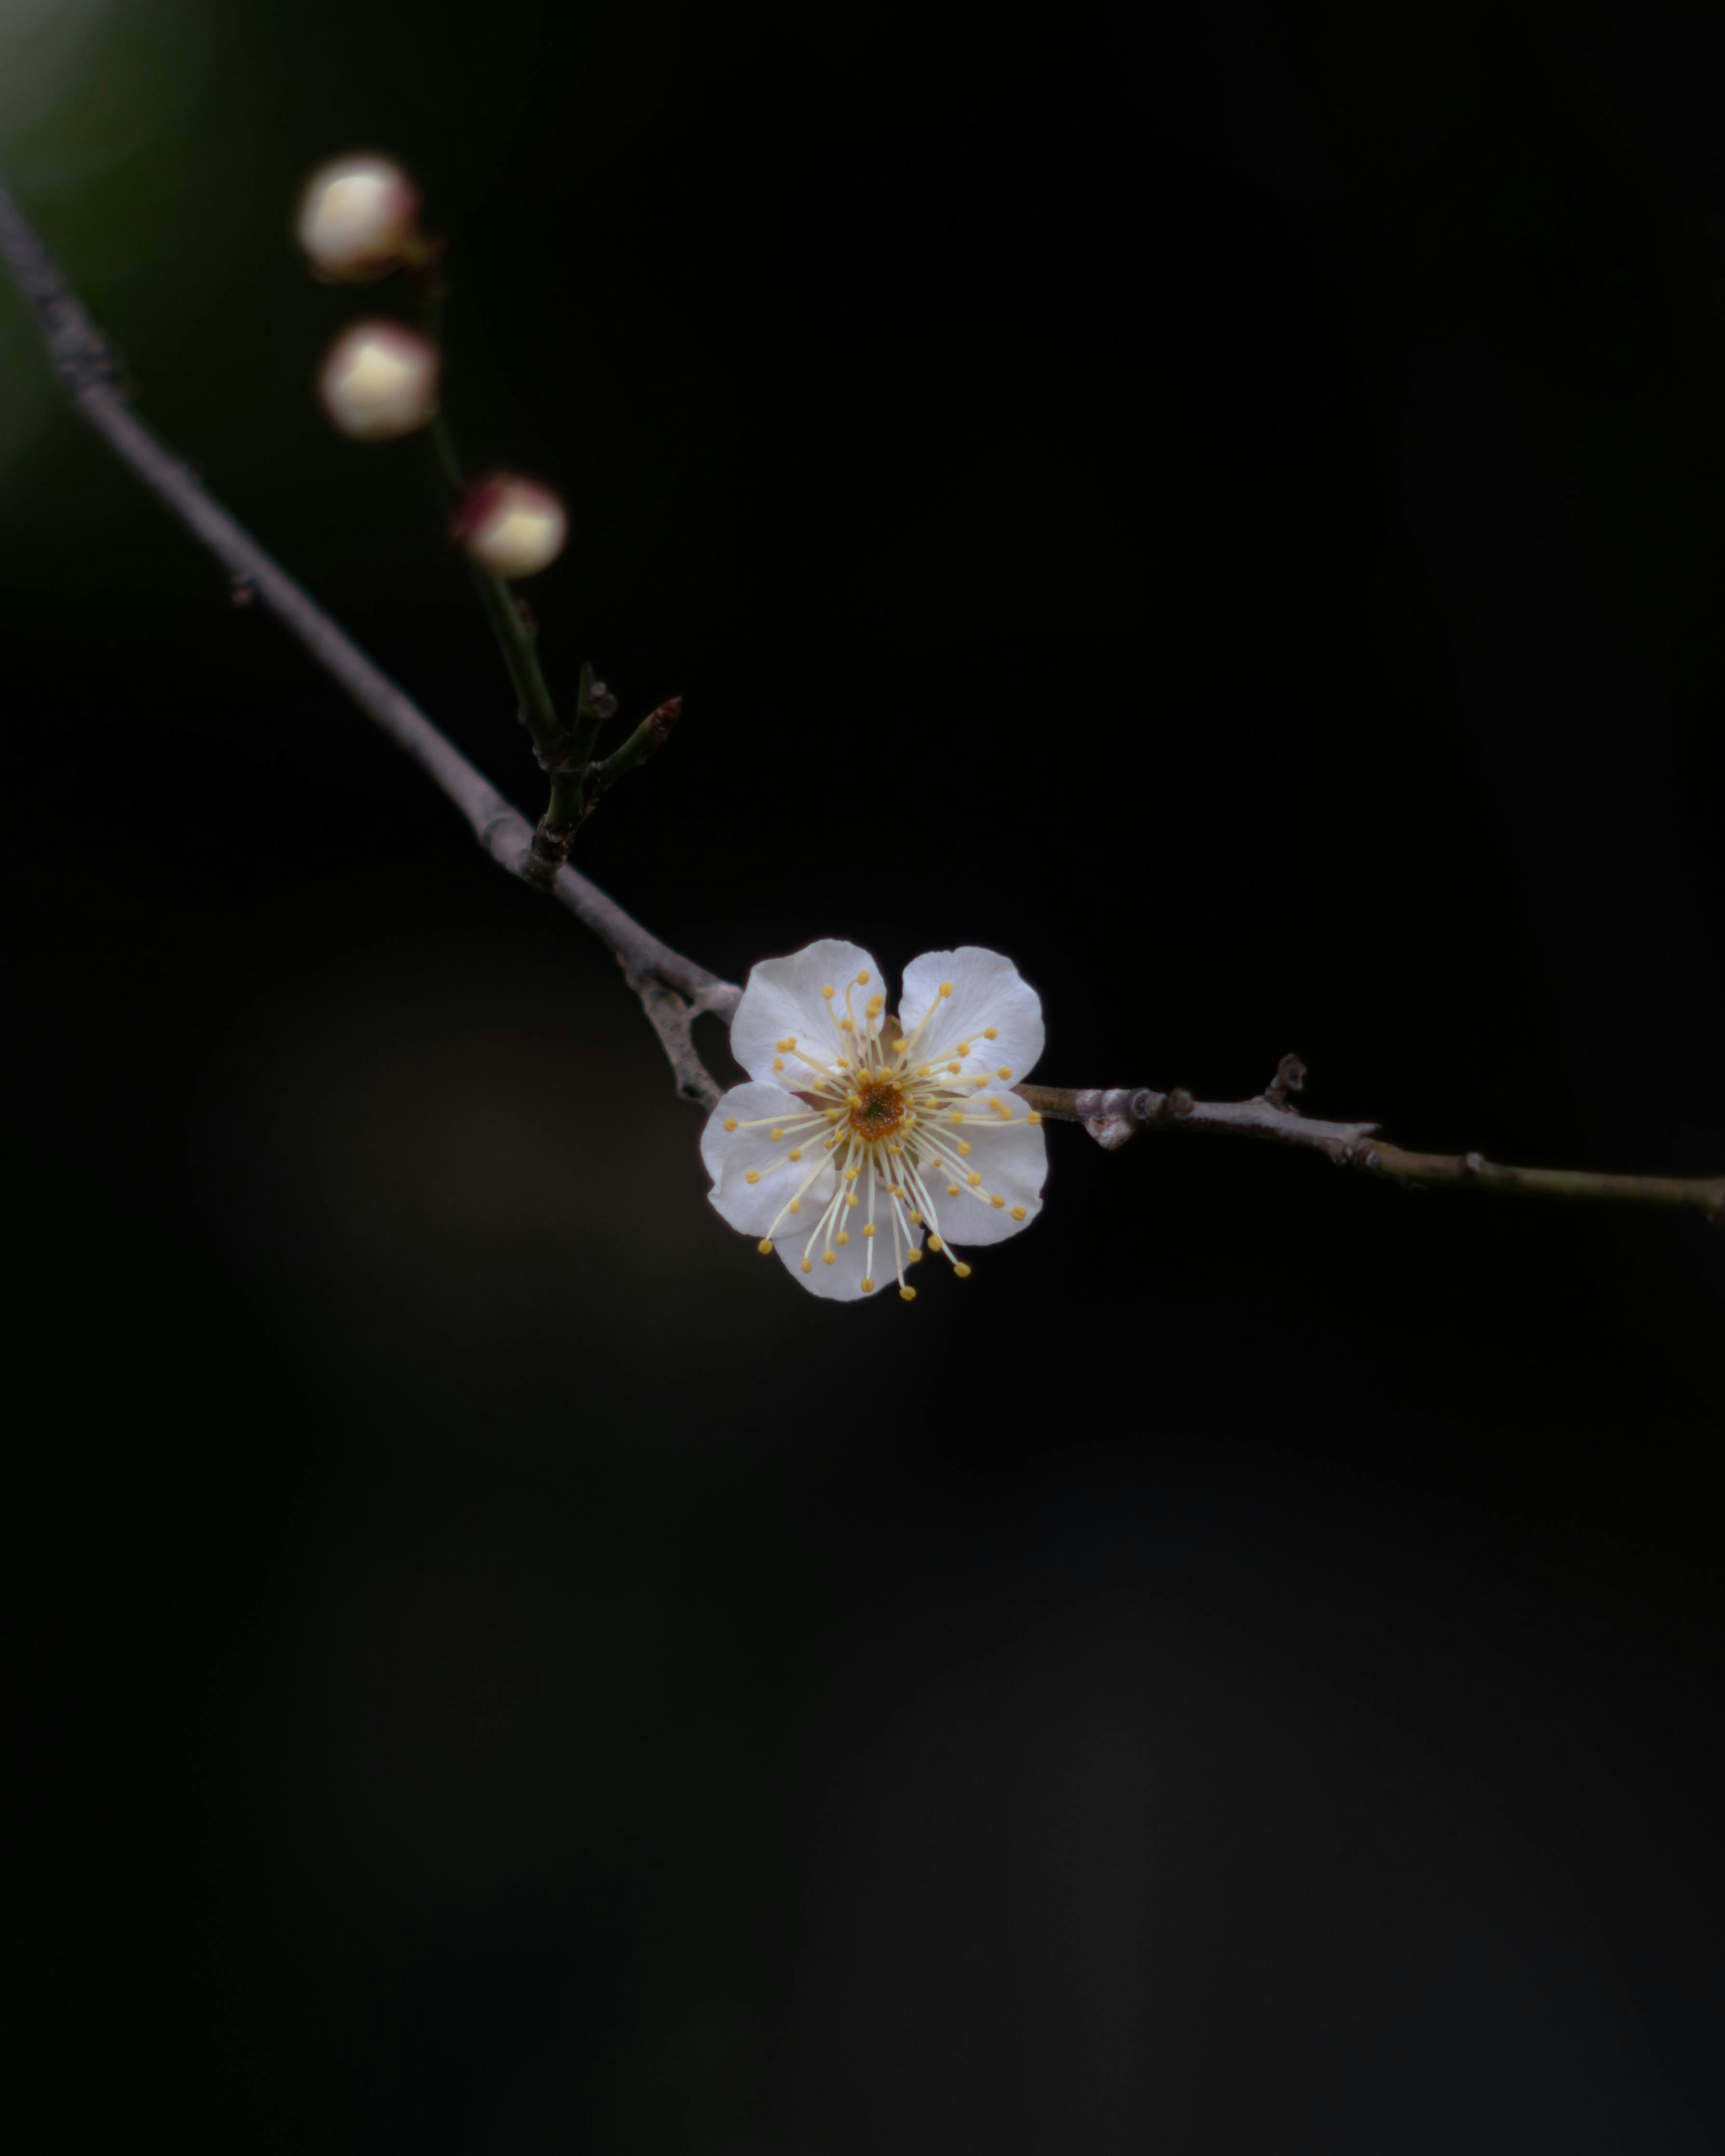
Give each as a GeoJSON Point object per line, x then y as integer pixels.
{"type": "Point", "coordinates": [1228, 510]}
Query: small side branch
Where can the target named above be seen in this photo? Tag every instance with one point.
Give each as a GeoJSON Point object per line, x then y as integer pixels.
{"type": "Point", "coordinates": [87, 371]}
{"type": "Point", "coordinates": [1113, 1117]}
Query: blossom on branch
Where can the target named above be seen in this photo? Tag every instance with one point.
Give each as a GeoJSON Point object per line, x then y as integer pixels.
{"type": "Point", "coordinates": [514, 527]}
{"type": "Point", "coordinates": [864, 1138]}
{"type": "Point", "coordinates": [359, 219]}
{"type": "Point", "coordinates": [378, 381]}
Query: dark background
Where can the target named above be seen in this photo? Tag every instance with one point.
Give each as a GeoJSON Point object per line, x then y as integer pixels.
{"type": "Point", "coordinates": [1226, 505]}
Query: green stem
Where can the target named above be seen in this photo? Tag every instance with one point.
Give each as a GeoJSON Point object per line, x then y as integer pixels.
{"type": "Point", "coordinates": [516, 640]}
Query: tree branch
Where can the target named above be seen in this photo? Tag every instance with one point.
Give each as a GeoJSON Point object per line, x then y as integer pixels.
{"type": "Point", "coordinates": [673, 990]}
{"type": "Point", "coordinates": [1112, 1118]}
{"type": "Point", "coordinates": [91, 378]}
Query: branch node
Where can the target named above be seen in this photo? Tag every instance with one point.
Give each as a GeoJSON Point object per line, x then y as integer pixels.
{"type": "Point", "coordinates": [1290, 1078]}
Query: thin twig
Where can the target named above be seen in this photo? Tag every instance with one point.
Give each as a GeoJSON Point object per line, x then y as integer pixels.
{"type": "Point", "coordinates": [673, 990]}
{"type": "Point", "coordinates": [1112, 1118]}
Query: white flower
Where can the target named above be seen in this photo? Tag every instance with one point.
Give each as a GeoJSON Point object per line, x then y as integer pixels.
{"type": "Point", "coordinates": [379, 382]}
{"type": "Point", "coordinates": [514, 527]}
{"type": "Point", "coordinates": [359, 219]}
{"type": "Point", "coordinates": [862, 1133]}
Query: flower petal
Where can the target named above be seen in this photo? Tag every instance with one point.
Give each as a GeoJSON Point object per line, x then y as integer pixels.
{"type": "Point", "coordinates": [988, 990]}
{"type": "Point", "coordinates": [1011, 1159]}
{"type": "Point", "coordinates": [731, 1157]}
{"type": "Point", "coordinates": [784, 1001]}
{"type": "Point", "coordinates": [858, 1259]}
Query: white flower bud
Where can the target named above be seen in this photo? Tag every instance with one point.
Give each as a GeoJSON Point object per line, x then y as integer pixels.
{"type": "Point", "coordinates": [514, 527]}
{"type": "Point", "coordinates": [359, 219]}
{"type": "Point", "coordinates": [379, 380]}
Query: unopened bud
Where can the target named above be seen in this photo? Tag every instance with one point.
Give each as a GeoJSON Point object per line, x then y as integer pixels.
{"type": "Point", "coordinates": [514, 527]}
{"type": "Point", "coordinates": [359, 219]}
{"type": "Point", "coordinates": [379, 380]}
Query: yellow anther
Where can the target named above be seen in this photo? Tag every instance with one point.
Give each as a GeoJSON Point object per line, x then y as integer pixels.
{"type": "Point", "coordinates": [998, 1202]}
{"type": "Point", "coordinates": [829, 1257]}
{"type": "Point", "coordinates": [795, 1153]}
{"type": "Point", "coordinates": [1034, 1116]}
{"type": "Point", "coordinates": [795, 1205]}
{"type": "Point", "coordinates": [964, 1047]}
{"type": "Point", "coordinates": [953, 1067]}
{"type": "Point", "coordinates": [765, 1246]}
{"type": "Point", "coordinates": [787, 1045]}
{"type": "Point", "coordinates": [862, 978]}
{"type": "Point", "coordinates": [807, 1266]}
{"type": "Point", "coordinates": [869, 1230]}
{"type": "Point", "coordinates": [842, 1237]}
{"type": "Point", "coordinates": [847, 1025]}
{"type": "Point", "coordinates": [974, 1180]}
{"type": "Point", "coordinates": [730, 1123]}
{"type": "Point", "coordinates": [877, 1004]}
{"type": "Point", "coordinates": [914, 1257]}
{"type": "Point", "coordinates": [868, 1287]}
{"type": "Point", "coordinates": [1004, 1071]}
{"type": "Point", "coordinates": [893, 1146]}
{"type": "Point", "coordinates": [991, 1033]}
{"type": "Point", "coordinates": [962, 1270]}
{"type": "Point", "coordinates": [964, 1145]}
{"type": "Point", "coordinates": [754, 1176]}
{"type": "Point", "coordinates": [898, 1048]}
{"type": "Point", "coordinates": [946, 987]}
{"type": "Point", "coordinates": [924, 1070]}
{"type": "Point", "coordinates": [852, 1174]}
{"type": "Point", "coordinates": [851, 1197]}
{"type": "Point", "coordinates": [956, 1116]}
{"type": "Point", "coordinates": [1019, 1213]}
{"type": "Point", "coordinates": [895, 1190]}
{"type": "Point", "coordinates": [829, 994]}
{"type": "Point", "coordinates": [916, 1219]}
{"type": "Point", "coordinates": [951, 1190]}
{"type": "Point", "coordinates": [775, 1135]}
{"type": "Point", "coordinates": [936, 1243]}
{"type": "Point", "coordinates": [832, 1115]}
{"type": "Point", "coordinates": [778, 1063]}
{"type": "Point", "coordinates": [907, 1295]}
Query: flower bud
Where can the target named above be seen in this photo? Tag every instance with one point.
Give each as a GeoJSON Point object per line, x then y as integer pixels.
{"type": "Point", "coordinates": [359, 219]}
{"type": "Point", "coordinates": [514, 527]}
{"type": "Point", "coordinates": [379, 380]}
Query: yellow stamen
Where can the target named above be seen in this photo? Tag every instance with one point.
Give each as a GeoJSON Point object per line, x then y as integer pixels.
{"type": "Point", "coordinates": [753, 1176]}
{"type": "Point", "coordinates": [1019, 1213]}
{"type": "Point", "coordinates": [1034, 1116]}
{"type": "Point", "coordinates": [730, 1123]}
{"type": "Point", "coordinates": [868, 1287]}
{"type": "Point", "coordinates": [765, 1246]}
{"type": "Point", "coordinates": [991, 1033]}
{"type": "Point", "coordinates": [998, 1202]}
{"type": "Point", "coordinates": [962, 1270]}
{"type": "Point", "coordinates": [907, 1295]}
{"type": "Point", "coordinates": [973, 1179]}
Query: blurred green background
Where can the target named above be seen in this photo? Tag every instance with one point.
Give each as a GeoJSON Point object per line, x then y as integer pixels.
{"type": "Point", "coordinates": [1226, 510]}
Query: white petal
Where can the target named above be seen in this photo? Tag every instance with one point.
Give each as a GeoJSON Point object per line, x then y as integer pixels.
{"type": "Point", "coordinates": [1011, 1159]}
{"type": "Point", "coordinates": [782, 1001]}
{"type": "Point", "coordinates": [864, 1257]}
{"type": "Point", "coordinates": [987, 990]}
{"type": "Point", "coordinates": [731, 1156]}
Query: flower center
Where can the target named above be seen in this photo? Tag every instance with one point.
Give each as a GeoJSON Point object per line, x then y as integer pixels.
{"type": "Point", "coordinates": [878, 1109]}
